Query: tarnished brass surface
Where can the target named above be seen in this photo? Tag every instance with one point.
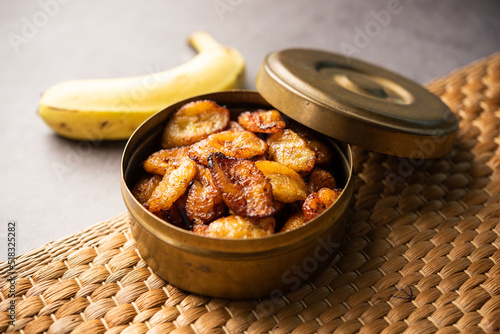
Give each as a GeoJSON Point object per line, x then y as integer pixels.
{"type": "Point", "coordinates": [224, 268]}
{"type": "Point", "coordinates": [357, 103]}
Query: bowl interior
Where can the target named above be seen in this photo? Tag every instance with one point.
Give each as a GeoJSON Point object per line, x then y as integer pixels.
{"type": "Point", "coordinates": [147, 139]}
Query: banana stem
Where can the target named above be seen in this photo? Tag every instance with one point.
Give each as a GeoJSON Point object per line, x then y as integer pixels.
{"type": "Point", "coordinates": [203, 41]}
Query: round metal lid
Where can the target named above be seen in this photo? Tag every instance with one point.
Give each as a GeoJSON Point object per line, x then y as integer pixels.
{"type": "Point", "coordinates": [357, 103]}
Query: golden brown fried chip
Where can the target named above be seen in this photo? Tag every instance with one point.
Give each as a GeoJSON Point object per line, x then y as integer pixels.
{"type": "Point", "coordinates": [320, 178]}
{"type": "Point", "coordinates": [316, 203]}
{"type": "Point", "coordinates": [287, 185]}
{"type": "Point", "coordinates": [237, 227]}
{"type": "Point", "coordinates": [295, 221]}
{"type": "Point", "coordinates": [204, 200]}
{"type": "Point", "coordinates": [245, 189]}
{"type": "Point", "coordinates": [287, 148]}
{"type": "Point", "coordinates": [145, 187]}
{"type": "Point", "coordinates": [264, 121]}
{"type": "Point", "coordinates": [172, 186]}
{"type": "Point", "coordinates": [238, 144]}
{"type": "Point", "coordinates": [164, 161]}
{"type": "Point", "coordinates": [324, 154]}
{"type": "Point", "coordinates": [194, 121]}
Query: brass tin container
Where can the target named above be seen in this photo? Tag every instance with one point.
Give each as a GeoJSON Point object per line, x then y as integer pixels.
{"type": "Point", "coordinates": [248, 268]}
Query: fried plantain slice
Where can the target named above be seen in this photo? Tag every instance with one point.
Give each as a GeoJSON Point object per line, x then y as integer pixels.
{"type": "Point", "coordinates": [176, 215]}
{"type": "Point", "coordinates": [263, 121]}
{"type": "Point", "coordinates": [144, 188]}
{"type": "Point", "coordinates": [295, 221]}
{"type": "Point", "coordinates": [317, 202]}
{"type": "Point", "coordinates": [238, 144]}
{"type": "Point", "coordinates": [164, 161]}
{"type": "Point", "coordinates": [320, 178]}
{"type": "Point", "coordinates": [204, 200]}
{"type": "Point", "coordinates": [237, 227]}
{"type": "Point", "coordinates": [287, 185]}
{"type": "Point", "coordinates": [278, 206]}
{"type": "Point", "coordinates": [324, 154]}
{"type": "Point", "coordinates": [245, 189]}
{"type": "Point", "coordinates": [287, 148]}
{"type": "Point", "coordinates": [172, 186]}
{"type": "Point", "coordinates": [235, 126]}
{"type": "Point", "coordinates": [259, 158]}
{"type": "Point", "coordinates": [194, 121]}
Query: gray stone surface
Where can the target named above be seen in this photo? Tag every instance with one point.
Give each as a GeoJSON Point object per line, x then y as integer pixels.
{"type": "Point", "coordinates": [75, 39]}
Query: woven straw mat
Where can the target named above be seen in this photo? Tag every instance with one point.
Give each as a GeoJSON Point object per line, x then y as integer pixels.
{"type": "Point", "coordinates": [421, 253]}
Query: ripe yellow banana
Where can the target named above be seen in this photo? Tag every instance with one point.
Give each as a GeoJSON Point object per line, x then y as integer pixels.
{"type": "Point", "coordinates": [114, 108]}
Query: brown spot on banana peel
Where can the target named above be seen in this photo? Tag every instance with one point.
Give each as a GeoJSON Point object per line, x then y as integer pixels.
{"type": "Point", "coordinates": [63, 126]}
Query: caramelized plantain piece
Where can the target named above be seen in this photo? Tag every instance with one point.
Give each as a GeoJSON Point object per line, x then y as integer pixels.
{"type": "Point", "coordinates": [204, 200]}
{"type": "Point", "coordinates": [287, 185]}
{"type": "Point", "coordinates": [318, 202]}
{"type": "Point", "coordinates": [145, 187]}
{"type": "Point", "coordinates": [287, 148]}
{"type": "Point", "coordinates": [194, 121]}
{"type": "Point", "coordinates": [235, 126]}
{"type": "Point", "coordinates": [295, 221]}
{"type": "Point", "coordinates": [245, 189]}
{"type": "Point", "coordinates": [278, 206]}
{"type": "Point", "coordinates": [238, 144]}
{"type": "Point", "coordinates": [264, 121]}
{"type": "Point", "coordinates": [259, 158]}
{"type": "Point", "coordinates": [176, 215]}
{"type": "Point", "coordinates": [320, 178]}
{"type": "Point", "coordinates": [172, 186]}
{"type": "Point", "coordinates": [164, 161]}
{"type": "Point", "coordinates": [324, 154]}
{"type": "Point", "coordinates": [237, 227]}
